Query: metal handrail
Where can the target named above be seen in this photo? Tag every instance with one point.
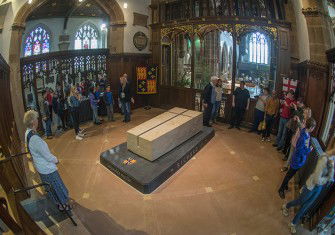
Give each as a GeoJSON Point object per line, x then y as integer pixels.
{"type": "Point", "coordinates": [52, 190]}
{"type": "Point", "coordinates": [12, 157]}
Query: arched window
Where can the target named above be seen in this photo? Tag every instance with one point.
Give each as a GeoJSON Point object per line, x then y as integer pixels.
{"type": "Point", "coordinates": [86, 38]}
{"type": "Point", "coordinates": [37, 42]}
{"type": "Point", "coordinates": [258, 48]}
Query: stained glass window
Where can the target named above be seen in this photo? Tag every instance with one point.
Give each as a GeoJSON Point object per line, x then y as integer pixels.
{"type": "Point", "coordinates": [37, 42]}
{"type": "Point", "coordinates": [258, 49]}
{"type": "Point", "coordinates": [86, 38]}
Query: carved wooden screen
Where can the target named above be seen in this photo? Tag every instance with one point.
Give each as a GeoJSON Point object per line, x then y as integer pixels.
{"type": "Point", "coordinates": [45, 71]}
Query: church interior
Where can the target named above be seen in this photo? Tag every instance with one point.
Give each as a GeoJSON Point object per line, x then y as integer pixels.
{"type": "Point", "coordinates": [167, 117]}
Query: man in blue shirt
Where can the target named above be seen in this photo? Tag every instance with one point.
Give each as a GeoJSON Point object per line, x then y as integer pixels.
{"type": "Point", "coordinates": [109, 104]}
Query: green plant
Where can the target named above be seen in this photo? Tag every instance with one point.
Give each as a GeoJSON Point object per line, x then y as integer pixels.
{"type": "Point", "coordinates": [184, 79]}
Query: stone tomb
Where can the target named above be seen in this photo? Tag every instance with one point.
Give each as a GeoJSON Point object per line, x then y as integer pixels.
{"type": "Point", "coordinates": [161, 134]}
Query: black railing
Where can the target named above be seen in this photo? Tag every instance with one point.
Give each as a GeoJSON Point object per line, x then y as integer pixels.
{"type": "Point", "coordinates": [51, 190]}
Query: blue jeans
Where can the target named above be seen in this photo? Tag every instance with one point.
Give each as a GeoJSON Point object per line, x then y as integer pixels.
{"type": "Point", "coordinates": [305, 200]}
{"type": "Point", "coordinates": [280, 141]}
{"type": "Point", "coordinates": [95, 114]}
{"type": "Point", "coordinates": [126, 110]}
{"type": "Point", "coordinates": [215, 110]}
{"type": "Point", "coordinates": [258, 118]}
{"type": "Point", "coordinates": [48, 131]}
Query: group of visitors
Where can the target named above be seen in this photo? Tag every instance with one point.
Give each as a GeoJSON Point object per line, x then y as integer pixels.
{"type": "Point", "coordinates": [293, 141]}
{"type": "Point", "coordinates": [212, 97]}
{"type": "Point", "coordinates": [44, 161]}
{"type": "Point", "coordinates": [64, 104]}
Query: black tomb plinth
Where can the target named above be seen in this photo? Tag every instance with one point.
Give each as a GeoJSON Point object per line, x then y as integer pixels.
{"type": "Point", "coordinates": [145, 175]}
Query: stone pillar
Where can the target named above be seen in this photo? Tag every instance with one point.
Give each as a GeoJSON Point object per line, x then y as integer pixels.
{"type": "Point", "coordinates": [15, 78]}
{"type": "Point", "coordinates": [115, 37]}
{"type": "Point", "coordinates": [64, 42]}
{"type": "Point", "coordinates": [318, 32]}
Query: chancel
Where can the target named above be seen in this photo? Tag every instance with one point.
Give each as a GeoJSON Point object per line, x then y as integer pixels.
{"type": "Point", "coordinates": [167, 117]}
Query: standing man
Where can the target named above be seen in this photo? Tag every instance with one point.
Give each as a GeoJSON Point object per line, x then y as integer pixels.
{"type": "Point", "coordinates": [209, 96]}
{"type": "Point", "coordinates": [241, 101]}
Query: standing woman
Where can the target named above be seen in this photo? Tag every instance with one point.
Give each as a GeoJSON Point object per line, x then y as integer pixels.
{"type": "Point", "coordinates": [74, 102]}
{"type": "Point", "coordinates": [45, 162]}
{"type": "Point", "coordinates": [323, 174]}
{"type": "Point", "coordinates": [271, 111]}
{"type": "Point", "coordinates": [125, 97]}
{"type": "Point", "coordinates": [260, 109]}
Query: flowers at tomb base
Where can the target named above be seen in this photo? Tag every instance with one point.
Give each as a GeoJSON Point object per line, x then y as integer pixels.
{"type": "Point", "coordinates": [129, 161]}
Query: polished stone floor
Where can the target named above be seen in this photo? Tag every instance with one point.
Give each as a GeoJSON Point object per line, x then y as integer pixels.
{"type": "Point", "coordinates": [229, 187]}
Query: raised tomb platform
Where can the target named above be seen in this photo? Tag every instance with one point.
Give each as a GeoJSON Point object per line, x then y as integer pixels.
{"type": "Point", "coordinates": [156, 149]}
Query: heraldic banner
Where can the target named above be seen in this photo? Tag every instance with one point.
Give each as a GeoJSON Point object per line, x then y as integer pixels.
{"type": "Point", "coordinates": [146, 79]}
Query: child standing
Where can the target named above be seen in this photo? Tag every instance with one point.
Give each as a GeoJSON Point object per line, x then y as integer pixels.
{"type": "Point", "coordinates": [303, 148]}
{"type": "Point", "coordinates": [109, 104]}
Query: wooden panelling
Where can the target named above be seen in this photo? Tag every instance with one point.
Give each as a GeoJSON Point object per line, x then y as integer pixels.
{"type": "Point", "coordinates": [176, 97]}
{"type": "Point", "coordinates": [120, 64]}
{"type": "Point", "coordinates": [313, 87]}
{"type": "Point", "coordinates": [12, 174]}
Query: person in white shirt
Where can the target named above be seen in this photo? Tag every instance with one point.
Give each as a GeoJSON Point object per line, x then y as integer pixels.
{"type": "Point", "coordinates": [323, 174]}
{"type": "Point", "coordinates": [218, 98]}
{"type": "Point", "coordinates": [45, 162]}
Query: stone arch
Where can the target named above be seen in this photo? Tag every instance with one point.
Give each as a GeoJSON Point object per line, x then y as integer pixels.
{"type": "Point", "coordinates": [114, 43]}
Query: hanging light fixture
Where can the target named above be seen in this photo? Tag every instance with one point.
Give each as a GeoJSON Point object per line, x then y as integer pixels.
{"type": "Point", "coordinates": [125, 5]}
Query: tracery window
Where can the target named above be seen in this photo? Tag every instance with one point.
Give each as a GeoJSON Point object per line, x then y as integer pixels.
{"type": "Point", "coordinates": [258, 48]}
{"type": "Point", "coordinates": [37, 42]}
{"type": "Point", "coordinates": [86, 38]}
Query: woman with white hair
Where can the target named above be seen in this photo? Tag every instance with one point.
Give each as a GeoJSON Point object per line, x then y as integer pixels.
{"type": "Point", "coordinates": [45, 162]}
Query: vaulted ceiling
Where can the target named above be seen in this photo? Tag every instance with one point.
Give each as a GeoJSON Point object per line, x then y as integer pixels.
{"type": "Point", "coordinates": [68, 8]}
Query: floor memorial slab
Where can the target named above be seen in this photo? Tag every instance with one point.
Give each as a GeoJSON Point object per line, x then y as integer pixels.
{"type": "Point", "coordinates": [145, 175]}
{"type": "Point", "coordinates": [161, 134]}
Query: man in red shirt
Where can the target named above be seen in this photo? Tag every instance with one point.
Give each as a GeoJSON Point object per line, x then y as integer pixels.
{"type": "Point", "coordinates": [285, 115]}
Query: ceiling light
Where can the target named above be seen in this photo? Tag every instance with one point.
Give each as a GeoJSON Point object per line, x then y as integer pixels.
{"type": "Point", "coordinates": [30, 1]}
{"type": "Point", "coordinates": [125, 5]}
{"type": "Point", "coordinates": [80, 0]}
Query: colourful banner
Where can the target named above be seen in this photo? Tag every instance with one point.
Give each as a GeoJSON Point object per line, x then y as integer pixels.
{"type": "Point", "coordinates": [146, 79]}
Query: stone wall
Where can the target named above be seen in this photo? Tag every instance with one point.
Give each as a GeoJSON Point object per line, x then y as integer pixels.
{"type": "Point", "coordinates": [138, 6]}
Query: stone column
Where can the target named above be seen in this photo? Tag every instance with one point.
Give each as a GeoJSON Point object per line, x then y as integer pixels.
{"type": "Point", "coordinates": [318, 32]}
{"type": "Point", "coordinates": [15, 78]}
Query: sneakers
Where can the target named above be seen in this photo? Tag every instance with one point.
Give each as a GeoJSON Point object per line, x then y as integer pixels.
{"type": "Point", "coordinates": [78, 137]}
{"type": "Point", "coordinates": [263, 139]}
{"type": "Point", "coordinates": [268, 139]}
{"type": "Point", "coordinates": [81, 131]}
{"type": "Point", "coordinates": [284, 210]}
{"type": "Point", "coordinates": [281, 194]}
{"type": "Point", "coordinates": [81, 134]}
{"type": "Point", "coordinates": [292, 228]}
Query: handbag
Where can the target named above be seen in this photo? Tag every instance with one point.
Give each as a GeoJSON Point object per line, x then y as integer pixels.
{"type": "Point", "coordinates": [262, 124]}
